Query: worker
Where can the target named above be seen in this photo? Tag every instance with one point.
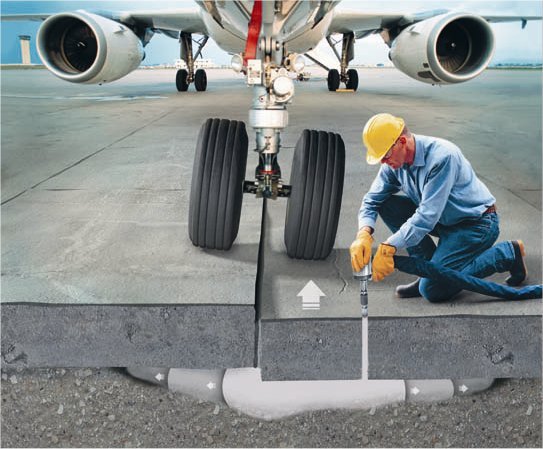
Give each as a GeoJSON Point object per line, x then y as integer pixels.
{"type": "Point", "coordinates": [442, 197]}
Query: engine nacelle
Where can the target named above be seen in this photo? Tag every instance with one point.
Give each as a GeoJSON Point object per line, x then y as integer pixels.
{"type": "Point", "coordinates": [82, 47]}
{"type": "Point", "coordinates": [446, 49]}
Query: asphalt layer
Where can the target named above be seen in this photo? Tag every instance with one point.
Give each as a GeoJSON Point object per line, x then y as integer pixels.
{"type": "Point", "coordinates": [105, 408]}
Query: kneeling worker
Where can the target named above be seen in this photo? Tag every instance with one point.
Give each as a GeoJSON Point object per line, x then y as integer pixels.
{"type": "Point", "coordinates": [442, 197]}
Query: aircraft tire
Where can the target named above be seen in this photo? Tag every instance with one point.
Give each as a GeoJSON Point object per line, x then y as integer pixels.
{"type": "Point", "coordinates": [200, 80]}
{"type": "Point", "coordinates": [333, 80]}
{"type": "Point", "coordinates": [216, 191]}
{"type": "Point", "coordinates": [313, 208]}
{"type": "Point", "coordinates": [181, 80]}
{"type": "Point", "coordinates": [352, 74]}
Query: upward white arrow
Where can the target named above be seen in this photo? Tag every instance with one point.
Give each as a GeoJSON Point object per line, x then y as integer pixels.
{"type": "Point", "coordinates": [311, 293]}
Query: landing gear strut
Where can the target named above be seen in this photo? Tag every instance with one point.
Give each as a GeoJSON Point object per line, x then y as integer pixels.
{"type": "Point", "coordinates": [186, 76]}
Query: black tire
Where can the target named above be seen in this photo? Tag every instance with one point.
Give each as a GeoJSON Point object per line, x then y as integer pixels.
{"type": "Point", "coordinates": [352, 83]}
{"type": "Point", "coordinates": [200, 80]}
{"type": "Point", "coordinates": [318, 169]}
{"type": "Point", "coordinates": [333, 80]}
{"type": "Point", "coordinates": [217, 183]}
{"type": "Point", "coordinates": [181, 80]}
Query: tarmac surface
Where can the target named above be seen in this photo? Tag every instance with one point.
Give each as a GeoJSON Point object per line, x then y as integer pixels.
{"type": "Point", "coordinates": [95, 184]}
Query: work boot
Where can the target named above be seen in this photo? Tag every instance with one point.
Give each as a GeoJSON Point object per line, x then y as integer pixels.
{"type": "Point", "coordinates": [409, 290]}
{"type": "Point", "coordinates": [518, 269]}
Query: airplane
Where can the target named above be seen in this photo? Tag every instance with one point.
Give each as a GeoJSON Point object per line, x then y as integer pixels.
{"type": "Point", "coordinates": [267, 40]}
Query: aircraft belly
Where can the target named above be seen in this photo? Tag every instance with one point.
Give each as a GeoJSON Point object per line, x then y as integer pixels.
{"type": "Point", "coordinates": [308, 39]}
{"type": "Point", "coordinates": [291, 27]}
{"type": "Point", "coordinates": [227, 40]}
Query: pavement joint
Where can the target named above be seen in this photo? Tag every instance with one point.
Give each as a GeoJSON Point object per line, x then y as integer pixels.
{"type": "Point", "coordinates": [75, 164]}
{"type": "Point", "coordinates": [511, 191]}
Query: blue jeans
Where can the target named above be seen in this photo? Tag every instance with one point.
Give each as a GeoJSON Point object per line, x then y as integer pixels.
{"type": "Point", "coordinates": [465, 247]}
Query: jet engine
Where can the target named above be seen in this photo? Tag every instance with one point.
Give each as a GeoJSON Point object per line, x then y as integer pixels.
{"type": "Point", "coordinates": [82, 47]}
{"type": "Point", "coordinates": [446, 49]}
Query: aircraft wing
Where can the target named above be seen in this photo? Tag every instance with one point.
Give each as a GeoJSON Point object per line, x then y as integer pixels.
{"type": "Point", "coordinates": [188, 20]}
{"type": "Point", "coordinates": [25, 17]}
{"type": "Point", "coordinates": [364, 24]}
{"type": "Point", "coordinates": [522, 19]}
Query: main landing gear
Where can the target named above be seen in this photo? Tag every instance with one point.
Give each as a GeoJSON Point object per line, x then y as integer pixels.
{"type": "Point", "coordinates": [185, 77]}
{"type": "Point", "coordinates": [344, 75]}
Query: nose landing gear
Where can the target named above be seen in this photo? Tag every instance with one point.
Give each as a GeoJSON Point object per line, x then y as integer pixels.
{"type": "Point", "coordinates": [314, 195]}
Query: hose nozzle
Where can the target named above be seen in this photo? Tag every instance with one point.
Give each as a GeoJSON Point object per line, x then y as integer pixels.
{"type": "Point", "coordinates": [364, 276]}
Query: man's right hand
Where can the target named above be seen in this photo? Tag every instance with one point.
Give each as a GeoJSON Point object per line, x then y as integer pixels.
{"type": "Point", "coordinates": [361, 250]}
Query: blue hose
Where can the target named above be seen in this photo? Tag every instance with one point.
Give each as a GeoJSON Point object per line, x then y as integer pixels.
{"type": "Point", "coordinates": [426, 269]}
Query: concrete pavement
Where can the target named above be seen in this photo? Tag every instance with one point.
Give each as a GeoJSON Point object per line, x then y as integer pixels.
{"type": "Point", "coordinates": [95, 181]}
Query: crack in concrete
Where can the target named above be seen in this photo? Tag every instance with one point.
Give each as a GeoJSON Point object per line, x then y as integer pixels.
{"type": "Point", "coordinates": [345, 283]}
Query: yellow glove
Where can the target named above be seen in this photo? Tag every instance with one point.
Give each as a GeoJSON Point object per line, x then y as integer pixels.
{"type": "Point", "coordinates": [383, 262]}
{"type": "Point", "coordinates": [361, 250]}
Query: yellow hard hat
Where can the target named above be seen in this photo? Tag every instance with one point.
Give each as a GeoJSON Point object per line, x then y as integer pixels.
{"type": "Point", "coordinates": [380, 133]}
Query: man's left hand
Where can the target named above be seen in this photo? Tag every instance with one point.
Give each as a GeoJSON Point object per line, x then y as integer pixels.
{"type": "Point", "coordinates": [383, 262]}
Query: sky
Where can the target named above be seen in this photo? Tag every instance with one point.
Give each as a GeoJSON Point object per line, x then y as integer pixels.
{"type": "Point", "coordinates": [512, 43]}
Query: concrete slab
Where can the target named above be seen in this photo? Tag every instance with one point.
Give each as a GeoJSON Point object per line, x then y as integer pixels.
{"type": "Point", "coordinates": [93, 335]}
{"type": "Point", "coordinates": [95, 186]}
{"type": "Point", "coordinates": [110, 228]}
{"type": "Point", "coordinates": [475, 346]}
{"type": "Point", "coordinates": [490, 118]}
{"type": "Point", "coordinates": [513, 176]}
{"type": "Point", "coordinates": [402, 348]}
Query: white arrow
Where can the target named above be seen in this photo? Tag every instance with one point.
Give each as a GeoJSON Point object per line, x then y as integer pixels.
{"type": "Point", "coordinates": [159, 376]}
{"type": "Point", "coordinates": [415, 390]}
{"type": "Point", "coordinates": [463, 388]}
{"type": "Point", "coordinates": [311, 294]}
{"type": "Point", "coordinates": [211, 385]}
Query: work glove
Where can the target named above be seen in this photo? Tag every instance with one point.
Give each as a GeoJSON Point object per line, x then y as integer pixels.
{"type": "Point", "coordinates": [383, 262]}
{"type": "Point", "coordinates": [361, 250]}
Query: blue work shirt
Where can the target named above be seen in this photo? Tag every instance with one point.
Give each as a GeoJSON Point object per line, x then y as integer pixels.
{"type": "Point", "coordinates": [441, 182]}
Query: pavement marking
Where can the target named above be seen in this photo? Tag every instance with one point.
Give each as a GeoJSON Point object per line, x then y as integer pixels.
{"type": "Point", "coordinates": [311, 294]}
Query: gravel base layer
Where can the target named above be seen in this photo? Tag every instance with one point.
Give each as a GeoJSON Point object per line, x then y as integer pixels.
{"type": "Point", "coordinates": [107, 408]}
